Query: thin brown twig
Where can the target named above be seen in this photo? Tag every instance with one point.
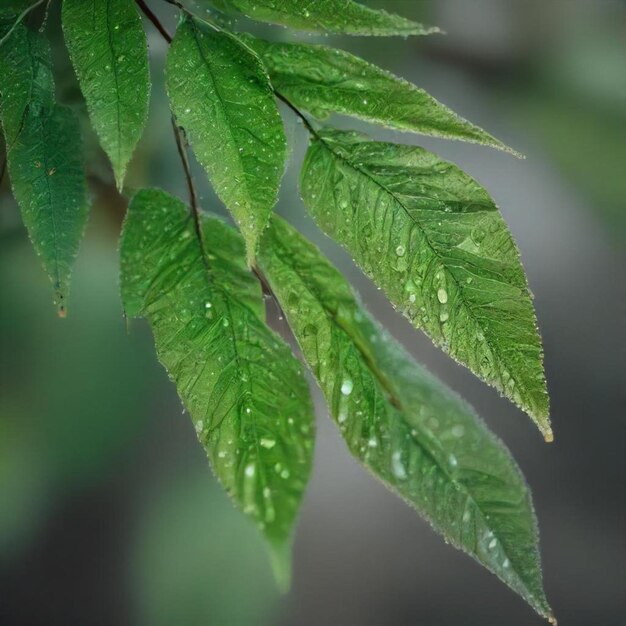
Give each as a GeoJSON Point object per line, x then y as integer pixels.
{"type": "Point", "coordinates": [180, 142]}
{"type": "Point", "coordinates": [193, 196]}
{"type": "Point", "coordinates": [147, 11]}
{"type": "Point", "coordinates": [182, 152]}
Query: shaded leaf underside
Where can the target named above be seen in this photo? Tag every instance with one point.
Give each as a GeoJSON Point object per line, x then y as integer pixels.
{"type": "Point", "coordinates": [44, 152]}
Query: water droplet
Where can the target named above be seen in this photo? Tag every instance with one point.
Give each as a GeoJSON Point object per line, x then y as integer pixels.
{"type": "Point", "coordinates": [442, 295]}
{"type": "Point", "coordinates": [397, 466]}
{"type": "Point", "coordinates": [346, 387]}
{"type": "Point", "coordinates": [250, 469]}
{"type": "Point", "coordinates": [268, 443]}
{"type": "Point", "coordinates": [458, 430]}
{"type": "Point", "coordinates": [493, 543]}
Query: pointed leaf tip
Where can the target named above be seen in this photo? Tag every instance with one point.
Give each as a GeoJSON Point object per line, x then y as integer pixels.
{"type": "Point", "coordinates": [433, 239]}
{"type": "Point", "coordinates": [280, 560]}
{"type": "Point", "coordinates": [221, 95]}
{"type": "Point", "coordinates": [117, 85]}
{"type": "Point", "coordinates": [417, 436]}
{"type": "Point", "coordinates": [243, 388]}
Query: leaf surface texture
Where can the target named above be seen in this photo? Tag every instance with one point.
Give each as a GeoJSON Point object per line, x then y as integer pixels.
{"type": "Point", "coordinates": [220, 94]}
{"type": "Point", "coordinates": [432, 238]}
{"type": "Point", "coordinates": [243, 388]}
{"type": "Point", "coordinates": [44, 152]}
{"type": "Point", "coordinates": [407, 428]}
{"type": "Point", "coordinates": [107, 45]}
{"type": "Point", "coordinates": [325, 80]}
{"type": "Point", "coordinates": [332, 16]}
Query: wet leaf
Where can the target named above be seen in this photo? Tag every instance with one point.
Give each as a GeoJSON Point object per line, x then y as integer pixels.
{"type": "Point", "coordinates": [333, 16]}
{"type": "Point", "coordinates": [108, 48]}
{"type": "Point", "coordinates": [432, 238]}
{"type": "Point", "coordinates": [325, 80]}
{"type": "Point", "coordinates": [25, 77]}
{"type": "Point", "coordinates": [243, 388]}
{"type": "Point", "coordinates": [220, 94]}
{"type": "Point", "coordinates": [405, 426]}
{"type": "Point", "coordinates": [44, 153]}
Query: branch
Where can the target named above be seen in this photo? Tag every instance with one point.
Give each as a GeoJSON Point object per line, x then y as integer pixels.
{"type": "Point", "coordinates": [147, 11]}
{"type": "Point", "coordinates": [193, 196]}
{"type": "Point", "coordinates": [182, 152]}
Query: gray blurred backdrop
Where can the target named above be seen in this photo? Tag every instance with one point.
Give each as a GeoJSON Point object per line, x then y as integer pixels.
{"type": "Point", "coordinates": [108, 512]}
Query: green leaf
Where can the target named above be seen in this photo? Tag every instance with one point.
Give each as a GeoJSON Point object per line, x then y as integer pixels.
{"type": "Point", "coordinates": [220, 94]}
{"type": "Point", "coordinates": [432, 238]}
{"type": "Point", "coordinates": [325, 80]}
{"type": "Point", "coordinates": [108, 48]}
{"type": "Point", "coordinates": [333, 16]}
{"type": "Point", "coordinates": [407, 428]}
{"type": "Point", "coordinates": [25, 78]}
{"type": "Point", "coordinates": [243, 388]}
{"type": "Point", "coordinates": [44, 153]}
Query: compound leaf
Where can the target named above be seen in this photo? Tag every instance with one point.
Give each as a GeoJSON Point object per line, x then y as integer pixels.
{"type": "Point", "coordinates": [44, 153]}
{"type": "Point", "coordinates": [108, 49]}
{"type": "Point", "coordinates": [243, 388]}
{"type": "Point", "coordinates": [325, 80]}
{"type": "Point", "coordinates": [432, 238]}
{"type": "Point", "coordinates": [220, 94]}
{"type": "Point", "coordinates": [406, 427]}
{"type": "Point", "coordinates": [333, 16]}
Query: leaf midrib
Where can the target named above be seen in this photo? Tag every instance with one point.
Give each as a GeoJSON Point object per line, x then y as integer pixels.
{"type": "Point", "coordinates": [117, 86]}
{"type": "Point", "coordinates": [399, 406]}
{"type": "Point", "coordinates": [223, 108]}
{"type": "Point", "coordinates": [486, 333]}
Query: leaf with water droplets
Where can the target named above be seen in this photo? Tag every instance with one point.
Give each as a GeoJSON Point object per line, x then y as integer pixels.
{"type": "Point", "coordinates": [220, 94]}
{"type": "Point", "coordinates": [334, 16]}
{"type": "Point", "coordinates": [432, 238]}
{"type": "Point", "coordinates": [108, 48]}
{"type": "Point", "coordinates": [424, 442]}
{"type": "Point", "coordinates": [44, 154]}
{"type": "Point", "coordinates": [325, 80]}
{"type": "Point", "coordinates": [242, 386]}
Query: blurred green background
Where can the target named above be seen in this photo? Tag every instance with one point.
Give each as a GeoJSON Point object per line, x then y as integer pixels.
{"type": "Point", "coordinates": [108, 511]}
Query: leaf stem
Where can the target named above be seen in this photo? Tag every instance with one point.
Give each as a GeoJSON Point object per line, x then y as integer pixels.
{"type": "Point", "coordinates": [147, 11]}
{"type": "Point", "coordinates": [180, 142]}
{"type": "Point", "coordinates": [297, 111]}
{"type": "Point", "coordinates": [182, 152]}
{"type": "Point", "coordinates": [193, 195]}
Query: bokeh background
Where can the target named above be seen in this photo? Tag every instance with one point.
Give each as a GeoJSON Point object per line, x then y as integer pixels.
{"type": "Point", "coordinates": [109, 514]}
